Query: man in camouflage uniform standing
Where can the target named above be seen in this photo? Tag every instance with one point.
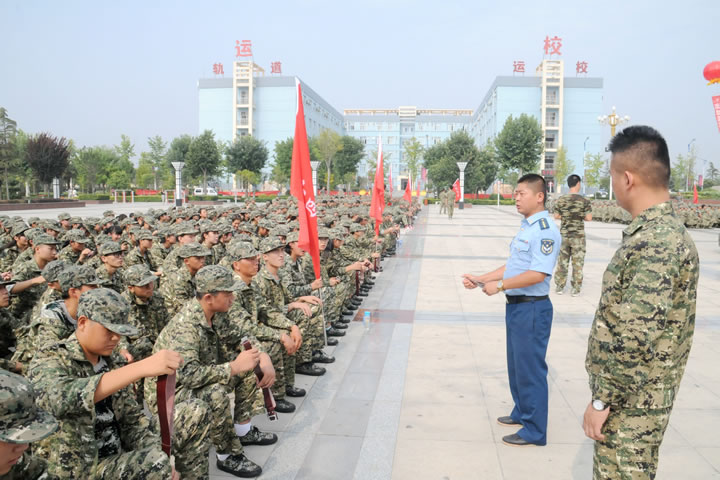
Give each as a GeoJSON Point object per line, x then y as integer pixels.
{"type": "Point", "coordinates": [572, 209]}
{"type": "Point", "coordinates": [641, 336]}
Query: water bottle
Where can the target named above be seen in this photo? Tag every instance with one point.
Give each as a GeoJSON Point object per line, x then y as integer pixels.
{"type": "Point", "coordinates": [366, 321]}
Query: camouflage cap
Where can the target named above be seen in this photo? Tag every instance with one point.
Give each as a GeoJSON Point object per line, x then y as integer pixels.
{"type": "Point", "coordinates": [51, 225]}
{"type": "Point", "coordinates": [19, 229]}
{"type": "Point", "coordinates": [323, 232]}
{"type": "Point", "coordinates": [356, 227]}
{"type": "Point", "coordinates": [279, 231]}
{"type": "Point", "coordinates": [271, 243]}
{"type": "Point", "coordinates": [193, 250]}
{"type": "Point", "coordinates": [75, 220]}
{"type": "Point", "coordinates": [292, 237]}
{"type": "Point", "coordinates": [45, 239]}
{"type": "Point", "coordinates": [266, 224]}
{"type": "Point", "coordinates": [108, 213]}
{"type": "Point", "coordinates": [20, 419]}
{"type": "Point", "coordinates": [31, 233]}
{"type": "Point", "coordinates": [215, 278]}
{"type": "Point", "coordinates": [108, 308]}
{"type": "Point", "coordinates": [139, 275]}
{"type": "Point", "coordinates": [32, 220]}
{"type": "Point", "coordinates": [63, 216]}
{"type": "Point", "coordinates": [76, 276]}
{"type": "Point", "coordinates": [208, 226]}
{"type": "Point", "coordinates": [225, 228]}
{"type": "Point", "coordinates": [239, 250]}
{"type": "Point", "coordinates": [77, 235]}
{"type": "Point", "coordinates": [52, 270]}
{"type": "Point", "coordinates": [143, 235]}
{"type": "Point", "coordinates": [110, 247]}
{"type": "Point", "coordinates": [185, 228]}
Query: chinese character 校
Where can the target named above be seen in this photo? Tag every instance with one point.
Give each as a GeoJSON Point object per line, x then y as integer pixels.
{"type": "Point", "coordinates": [519, 67]}
{"type": "Point", "coordinates": [581, 67]}
{"type": "Point", "coordinates": [243, 49]}
{"type": "Point", "coordinates": [218, 69]}
{"type": "Point", "coordinates": [552, 45]}
{"type": "Point", "coordinates": [275, 67]}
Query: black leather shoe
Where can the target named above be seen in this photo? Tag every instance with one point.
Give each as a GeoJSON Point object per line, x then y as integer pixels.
{"type": "Point", "coordinates": [293, 391]}
{"type": "Point", "coordinates": [256, 437]}
{"type": "Point", "coordinates": [339, 326]}
{"type": "Point", "coordinates": [332, 342]}
{"type": "Point", "coordinates": [240, 466]}
{"type": "Point", "coordinates": [332, 332]}
{"type": "Point", "coordinates": [351, 306]}
{"type": "Point", "coordinates": [321, 357]}
{"type": "Point", "coordinates": [344, 320]}
{"type": "Point", "coordinates": [309, 369]}
{"type": "Point", "coordinates": [361, 294]}
{"type": "Point", "coordinates": [348, 312]}
{"type": "Point", "coordinates": [283, 406]}
{"type": "Point", "coordinates": [508, 422]}
{"type": "Point", "coordinates": [516, 440]}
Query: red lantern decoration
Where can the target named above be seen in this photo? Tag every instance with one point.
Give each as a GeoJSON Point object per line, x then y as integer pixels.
{"type": "Point", "coordinates": [712, 72]}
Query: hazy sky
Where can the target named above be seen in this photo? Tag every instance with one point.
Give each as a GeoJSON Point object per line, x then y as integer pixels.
{"type": "Point", "coordinates": [92, 70]}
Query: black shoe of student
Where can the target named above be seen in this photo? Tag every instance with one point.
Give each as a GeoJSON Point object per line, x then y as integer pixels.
{"type": "Point", "coordinates": [339, 326]}
{"type": "Point", "coordinates": [332, 342]}
{"type": "Point", "coordinates": [344, 320]}
{"type": "Point", "coordinates": [240, 466]}
{"type": "Point", "coordinates": [321, 357]}
{"type": "Point", "coordinates": [365, 289]}
{"type": "Point", "coordinates": [283, 406]}
{"type": "Point", "coordinates": [309, 369]}
{"type": "Point", "coordinates": [348, 312]}
{"type": "Point", "coordinates": [293, 391]}
{"type": "Point", "coordinates": [256, 437]}
{"type": "Point", "coordinates": [351, 306]}
{"type": "Point", "coordinates": [361, 294]}
{"type": "Point", "coordinates": [332, 332]}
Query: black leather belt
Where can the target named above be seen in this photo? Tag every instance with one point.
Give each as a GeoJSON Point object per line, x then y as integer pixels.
{"type": "Point", "coordinates": [524, 298]}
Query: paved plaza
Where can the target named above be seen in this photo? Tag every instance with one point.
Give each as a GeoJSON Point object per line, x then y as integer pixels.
{"type": "Point", "coordinates": [416, 395]}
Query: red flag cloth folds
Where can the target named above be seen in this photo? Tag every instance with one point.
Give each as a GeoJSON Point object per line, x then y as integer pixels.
{"type": "Point", "coordinates": [456, 189]}
{"type": "Point", "coordinates": [390, 184]}
{"type": "Point", "coordinates": [695, 197]}
{"type": "Point", "coordinates": [377, 203]}
{"type": "Point", "coordinates": [408, 190]}
{"type": "Point", "coordinates": [301, 187]}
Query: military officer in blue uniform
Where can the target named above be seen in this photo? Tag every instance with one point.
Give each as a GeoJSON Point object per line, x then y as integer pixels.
{"type": "Point", "coordinates": [525, 280]}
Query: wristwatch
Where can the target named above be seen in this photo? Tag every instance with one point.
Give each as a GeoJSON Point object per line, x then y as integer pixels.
{"type": "Point", "coordinates": [599, 405]}
{"type": "Point", "coordinates": [500, 286]}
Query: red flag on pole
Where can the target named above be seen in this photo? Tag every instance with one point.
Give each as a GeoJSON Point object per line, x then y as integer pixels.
{"type": "Point", "coordinates": [390, 184]}
{"type": "Point", "coordinates": [456, 189]}
{"type": "Point", "coordinates": [301, 187]}
{"type": "Point", "coordinates": [417, 187]}
{"type": "Point", "coordinates": [377, 203]}
{"type": "Point", "coordinates": [695, 197]}
{"type": "Point", "coordinates": [408, 190]}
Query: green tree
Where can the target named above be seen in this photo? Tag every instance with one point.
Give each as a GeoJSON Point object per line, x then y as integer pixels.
{"type": "Point", "coordinates": [176, 153]}
{"type": "Point", "coordinates": [144, 175]}
{"type": "Point", "coordinates": [712, 173]}
{"type": "Point", "coordinates": [441, 161]}
{"type": "Point", "coordinates": [520, 143]}
{"type": "Point", "coordinates": [682, 172]}
{"type": "Point", "coordinates": [247, 178]}
{"type": "Point", "coordinates": [563, 168]}
{"type": "Point", "coordinates": [595, 170]}
{"type": "Point", "coordinates": [327, 144]}
{"type": "Point", "coordinates": [347, 159]}
{"type": "Point", "coordinates": [156, 155]}
{"type": "Point", "coordinates": [92, 166]}
{"type": "Point", "coordinates": [202, 158]}
{"type": "Point", "coordinates": [119, 180]}
{"type": "Point", "coordinates": [246, 153]}
{"type": "Point", "coordinates": [413, 152]}
{"type": "Point", "coordinates": [8, 151]}
{"type": "Point", "coordinates": [47, 156]}
{"type": "Point", "coordinates": [283, 161]}
{"type": "Point", "coordinates": [125, 153]}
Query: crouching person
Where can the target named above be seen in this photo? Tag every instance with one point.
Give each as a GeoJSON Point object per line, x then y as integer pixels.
{"type": "Point", "coordinates": [103, 431]}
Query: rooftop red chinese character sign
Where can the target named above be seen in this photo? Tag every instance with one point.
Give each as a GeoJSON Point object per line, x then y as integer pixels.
{"type": "Point", "coordinates": [218, 69]}
{"type": "Point", "coordinates": [276, 67]}
{"type": "Point", "coordinates": [519, 66]}
{"type": "Point", "coordinates": [581, 67]}
{"type": "Point", "coordinates": [553, 45]}
{"type": "Point", "coordinates": [243, 49]}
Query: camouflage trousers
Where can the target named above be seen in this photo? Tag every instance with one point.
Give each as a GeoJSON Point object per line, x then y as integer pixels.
{"type": "Point", "coordinates": [147, 463]}
{"type": "Point", "coordinates": [276, 351]}
{"type": "Point", "coordinates": [572, 251]}
{"type": "Point", "coordinates": [450, 209]}
{"type": "Point", "coordinates": [191, 427]}
{"type": "Point", "coordinates": [443, 207]}
{"type": "Point", "coordinates": [331, 308]}
{"type": "Point", "coordinates": [631, 446]}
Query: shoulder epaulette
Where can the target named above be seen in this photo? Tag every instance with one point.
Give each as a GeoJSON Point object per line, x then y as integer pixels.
{"type": "Point", "coordinates": [544, 225]}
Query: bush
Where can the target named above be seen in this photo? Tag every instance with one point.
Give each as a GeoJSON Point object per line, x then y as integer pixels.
{"type": "Point", "coordinates": [148, 198]}
{"type": "Point", "coordinates": [94, 196]}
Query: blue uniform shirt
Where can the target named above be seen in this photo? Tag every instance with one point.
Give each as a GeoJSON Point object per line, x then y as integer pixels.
{"type": "Point", "coordinates": [536, 248]}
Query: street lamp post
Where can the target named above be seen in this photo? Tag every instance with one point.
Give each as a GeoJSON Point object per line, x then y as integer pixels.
{"type": "Point", "coordinates": [461, 166]}
{"type": "Point", "coordinates": [584, 157]}
{"type": "Point", "coordinates": [613, 120]}
{"type": "Point", "coordinates": [178, 166]}
{"type": "Point", "coordinates": [315, 165]}
{"type": "Point", "coordinates": [690, 165]}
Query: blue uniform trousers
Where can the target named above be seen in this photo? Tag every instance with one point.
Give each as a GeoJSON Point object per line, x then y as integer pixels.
{"type": "Point", "coordinates": [527, 332]}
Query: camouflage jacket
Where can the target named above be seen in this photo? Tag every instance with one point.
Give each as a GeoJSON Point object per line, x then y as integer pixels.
{"type": "Point", "coordinates": [9, 255]}
{"type": "Point", "coordinates": [115, 281]}
{"type": "Point", "coordinates": [158, 254]}
{"type": "Point", "coordinates": [52, 324]}
{"type": "Point", "coordinates": [65, 382]}
{"type": "Point", "coordinates": [28, 468]}
{"type": "Point", "coordinates": [275, 297]}
{"type": "Point", "coordinates": [172, 262]}
{"type": "Point", "coordinates": [204, 361]}
{"type": "Point", "coordinates": [643, 327]}
{"type": "Point", "coordinates": [293, 278]}
{"type": "Point", "coordinates": [150, 318]}
{"type": "Point", "coordinates": [218, 252]}
{"type": "Point", "coordinates": [135, 257]}
{"type": "Point", "coordinates": [250, 313]}
{"type": "Point", "coordinates": [572, 209]}
{"type": "Point", "coordinates": [23, 256]}
{"type": "Point", "coordinates": [177, 288]}
{"type": "Point", "coordinates": [7, 340]}
{"type": "Point", "coordinates": [23, 303]}
{"type": "Point", "coordinates": [69, 255]}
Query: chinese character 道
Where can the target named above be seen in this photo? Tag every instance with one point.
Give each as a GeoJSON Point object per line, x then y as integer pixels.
{"type": "Point", "coordinates": [553, 45]}
{"type": "Point", "coordinates": [581, 67]}
{"type": "Point", "coordinates": [275, 67]}
{"type": "Point", "coordinates": [218, 69]}
{"type": "Point", "coordinates": [519, 66]}
{"type": "Point", "coordinates": [243, 49]}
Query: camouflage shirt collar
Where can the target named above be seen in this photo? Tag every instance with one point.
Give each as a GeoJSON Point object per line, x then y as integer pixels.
{"type": "Point", "coordinates": [648, 215]}
{"type": "Point", "coordinates": [197, 314]}
{"type": "Point", "coordinates": [243, 285]}
{"type": "Point", "coordinates": [266, 274]}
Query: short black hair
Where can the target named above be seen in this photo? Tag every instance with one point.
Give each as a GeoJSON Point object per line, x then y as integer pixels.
{"type": "Point", "coordinates": [651, 160]}
{"type": "Point", "coordinates": [536, 182]}
{"type": "Point", "coordinates": [573, 180]}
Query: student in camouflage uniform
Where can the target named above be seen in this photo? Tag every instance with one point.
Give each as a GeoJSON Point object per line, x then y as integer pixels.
{"type": "Point", "coordinates": [11, 253]}
{"type": "Point", "coordinates": [572, 210]}
{"type": "Point", "coordinates": [643, 328]}
{"type": "Point", "coordinates": [51, 274]}
{"type": "Point", "coordinates": [141, 253]}
{"type": "Point", "coordinates": [209, 239]}
{"type": "Point", "coordinates": [211, 372]}
{"type": "Point", "coordinates": [21, 423]}
{"type": "Point", "coordinates": [26, 254]}
{"type": "Point", "coordinates": [147, 310]}
{"type": "Point", "coordinates": [110, 273]}
{"type": "Point", "coordinates": [78, 250]}
{"type": "Point", "coordinates": [177, 287]}
{"type": "Point", "coordinates": [7, 334]}
{"type": "Point", "coordinates": [185, 233]}
{"type": "Point", "coordinates": [442, 196]}
{"type": "Point", "coordinates": [161, 247]}
{"type": "Point", "coordinates": [103, 431]}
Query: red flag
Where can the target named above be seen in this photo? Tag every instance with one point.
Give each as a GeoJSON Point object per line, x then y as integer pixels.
{"type": "Point", "coordinates": [377, 203]}
{"type": "Point", "coordinates": [456, 189]}
{"type": "Point", "coordinates": [390, 184]}
{"type": "Point", "coordinates": [417, 187]}
{"type": "Point", "coordinates": [408, 190]}
{"type": "Point", "coordinates": [301, 187]}
{"type": "Point", "coordinates": [695, 197]}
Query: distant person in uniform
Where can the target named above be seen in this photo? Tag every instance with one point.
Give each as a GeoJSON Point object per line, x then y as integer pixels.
{"type": "Point", "coordinates": [525, 279]}
{"type": "Point", "coordinates": [443, 201]}
{"type": "Point", "coordinates": [643, 329]}
{"type": "Point", "coordinates": [572, 210]}
{"type": "Point", "coordinates": [450, 195]}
